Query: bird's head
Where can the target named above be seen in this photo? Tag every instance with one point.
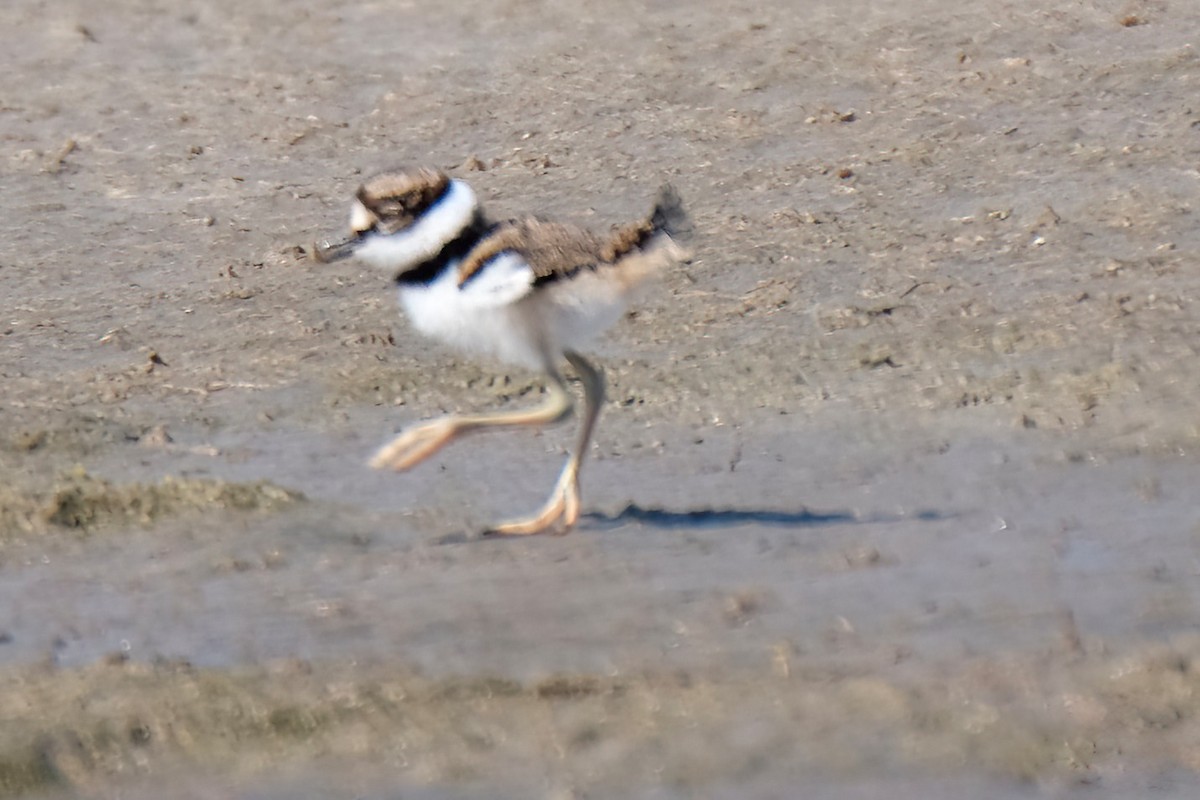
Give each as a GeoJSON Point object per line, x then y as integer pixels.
{"type": "Point", "coordinates": [401, 218]}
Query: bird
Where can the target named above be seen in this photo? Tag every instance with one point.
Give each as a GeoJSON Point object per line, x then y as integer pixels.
{"type": "Point", "coordinates": [526, 291]}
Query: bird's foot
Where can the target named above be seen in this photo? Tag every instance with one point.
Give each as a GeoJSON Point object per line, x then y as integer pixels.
{"type": "Point", "coordinates": [557, 516]}
{"type": "Point", "coordinates": [415, 445]}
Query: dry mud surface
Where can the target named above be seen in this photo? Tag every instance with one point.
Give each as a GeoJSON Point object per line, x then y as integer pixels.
{"type": "Point", "coordinates": [895, 495]}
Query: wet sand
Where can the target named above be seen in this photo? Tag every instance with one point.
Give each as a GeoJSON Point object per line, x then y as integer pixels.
{"type": "Point", "coordinates": [893, 496]}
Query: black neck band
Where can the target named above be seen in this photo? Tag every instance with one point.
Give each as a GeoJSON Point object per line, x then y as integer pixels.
{"type": "Point", "coordinates": [454, 250]}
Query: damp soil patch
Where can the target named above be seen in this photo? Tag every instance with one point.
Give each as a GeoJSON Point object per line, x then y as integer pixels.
{"type": "Point", "coordinates": [84, 503]}
{"type": "Point", "coordinates": [1066, 718]}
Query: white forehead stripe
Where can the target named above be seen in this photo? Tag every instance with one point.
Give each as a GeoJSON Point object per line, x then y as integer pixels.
{"type": "Point", "coordinates": [360, 218]}
{"type": "Point", "coordinates": [424, 239]}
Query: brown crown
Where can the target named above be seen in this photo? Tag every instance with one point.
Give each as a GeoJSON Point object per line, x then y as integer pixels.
{"type": "Point", "coordinates": [398, 197]}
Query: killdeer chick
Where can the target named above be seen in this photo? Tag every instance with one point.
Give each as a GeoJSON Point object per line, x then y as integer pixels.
{"type": "Point", "coordinates": [526, 291]}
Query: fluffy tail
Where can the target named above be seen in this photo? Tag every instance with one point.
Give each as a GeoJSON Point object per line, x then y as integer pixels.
{"type": "Point", "coordinates": [669, 215]}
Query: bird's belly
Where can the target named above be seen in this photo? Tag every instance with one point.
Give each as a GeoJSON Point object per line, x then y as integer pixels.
{"type": "Point", "coordinates": [531, 331]}
{"type": "Point", "coordinates": [578, 310]}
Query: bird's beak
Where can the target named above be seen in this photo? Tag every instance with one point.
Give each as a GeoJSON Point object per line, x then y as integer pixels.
{"type": "Point", "coordinates": [326, 251]}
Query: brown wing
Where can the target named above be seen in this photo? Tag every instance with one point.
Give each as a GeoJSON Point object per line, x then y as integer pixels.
{"type": "Point", "coordinates": [549, 248]}
{"type": "Point", "coordinates": [554, 250]}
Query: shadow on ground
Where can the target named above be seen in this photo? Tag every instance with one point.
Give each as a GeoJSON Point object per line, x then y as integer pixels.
{"type": "Point", "coordinates": [730, 517]}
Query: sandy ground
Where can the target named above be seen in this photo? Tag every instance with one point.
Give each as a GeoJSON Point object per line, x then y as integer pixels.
{"type": "Point", "coordinates": [894, 496]}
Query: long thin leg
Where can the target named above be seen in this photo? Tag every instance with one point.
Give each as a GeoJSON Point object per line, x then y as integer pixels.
{"type": "Point", "coordinates": [564, 504]}
{"type": "Point", "coordinates": [417, 444]}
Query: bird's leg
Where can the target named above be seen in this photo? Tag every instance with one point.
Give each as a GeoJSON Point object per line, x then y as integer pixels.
{"type": "Point", "coordinates": [563, 506]}
{"type": "Point", "coordinates": [417, 444]}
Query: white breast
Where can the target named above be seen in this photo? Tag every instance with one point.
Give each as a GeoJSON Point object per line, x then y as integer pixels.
{"type": "Point", "coordinates": [501, 313]}
{"type": "Point", "coordinates": [465, 320]}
